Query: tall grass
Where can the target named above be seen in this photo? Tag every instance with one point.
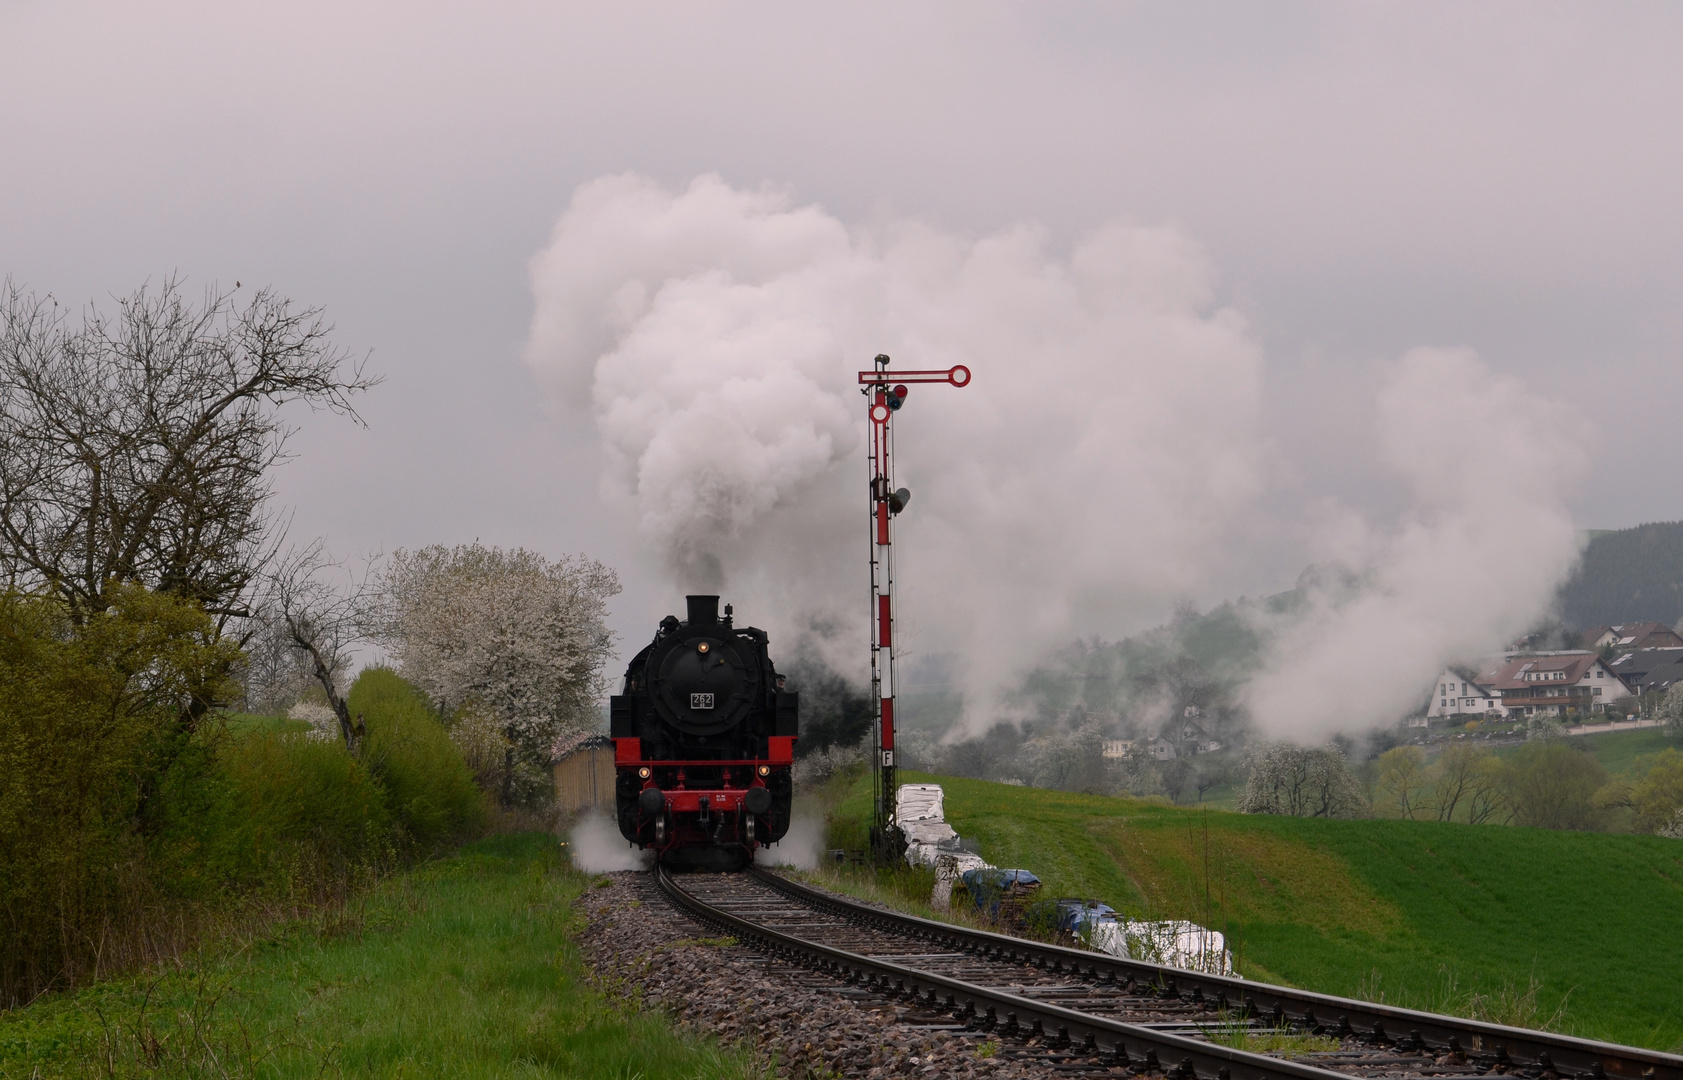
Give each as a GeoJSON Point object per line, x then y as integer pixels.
{"type": "Point", "coordinates": [463, 967]}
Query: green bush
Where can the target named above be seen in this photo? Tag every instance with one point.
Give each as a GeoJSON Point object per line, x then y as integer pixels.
{"type": "Point", "coordinates": [300, 806]}
{"type": "Point", "coordinates": [129, 811]}
{"type": "Point", "coordinates": [430, 791]}
{"type": "Point", "coordinates": [94, 717]}
{"type": "Point", "coordinates": [1553, 786]}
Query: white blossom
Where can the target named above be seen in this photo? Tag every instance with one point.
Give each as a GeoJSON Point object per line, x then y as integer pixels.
{"type": "Point", "coordinates": [509, 632]}
{"type": "Point", "coordinates": [1300, 782]}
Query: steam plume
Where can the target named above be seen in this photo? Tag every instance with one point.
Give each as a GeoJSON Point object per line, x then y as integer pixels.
{"type": "Point", "coordinates": [1489, 466]}
{"type": "Point", "coordinates": [1096, 465]}
{"type": "Point", "coordinates": [597, 847]}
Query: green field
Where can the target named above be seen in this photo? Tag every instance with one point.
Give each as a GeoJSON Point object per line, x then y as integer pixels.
{"type": "Point", "coordinates": [1451, 917]}
{"type": "Point", "coordinates": [1618, 750]}
{"type": "Point", "coordinates": [465, 967]}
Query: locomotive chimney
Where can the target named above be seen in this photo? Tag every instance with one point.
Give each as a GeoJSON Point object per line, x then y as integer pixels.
{"type": "Point", "coordinates": [704, 610]}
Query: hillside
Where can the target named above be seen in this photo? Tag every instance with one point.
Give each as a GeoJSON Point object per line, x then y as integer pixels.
{"type": "Point", "coordinates": [1627, 575]}
{"type": "Point", "coordinates": [1422, 913]}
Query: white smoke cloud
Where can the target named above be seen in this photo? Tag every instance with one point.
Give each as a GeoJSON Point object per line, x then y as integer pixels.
{"type": "Point", "coordinates": [1105, 461]}
{"type": "Point", "coordinates": [1090, 475]}
{"type": "Point", "coordinates": [596, 847]}
{"type": "Point", "coordinates": [1488, 466]}
{"type": "Point", "coordinates": [802, 847]}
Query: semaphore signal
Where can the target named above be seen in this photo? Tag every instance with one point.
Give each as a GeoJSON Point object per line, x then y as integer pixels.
{"type": "Point", "coordinates": [886, 393]}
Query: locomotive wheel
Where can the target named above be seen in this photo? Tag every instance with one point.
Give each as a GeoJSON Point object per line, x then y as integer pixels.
{"type": "Point", "coordinates": [660, 829]}
{"type": "Point", "coordinates": [748, 829]}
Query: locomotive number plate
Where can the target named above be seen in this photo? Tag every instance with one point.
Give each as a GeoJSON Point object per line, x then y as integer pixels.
{"type": "Point", "coordinates": [701, 701]}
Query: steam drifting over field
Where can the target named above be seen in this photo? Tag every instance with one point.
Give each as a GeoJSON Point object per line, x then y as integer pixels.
{"type": "Point", "coordinates": [1107, 460]}
{"type": "Point", "coordinates": [1488, 466]}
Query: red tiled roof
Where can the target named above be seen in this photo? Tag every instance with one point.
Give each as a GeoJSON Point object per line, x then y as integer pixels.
{"type": "Point", "coordinates": [1636, 634]}
{"type": "Point", "coordinates": [1512, 675]}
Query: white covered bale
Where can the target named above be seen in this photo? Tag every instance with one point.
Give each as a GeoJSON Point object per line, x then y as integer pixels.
{"type": "Point", "coordinates": [920, 814]}
{"type": "Point", "coordinates": [919, 802]}
{"type": "Point", "coordinates": [1172, 942]}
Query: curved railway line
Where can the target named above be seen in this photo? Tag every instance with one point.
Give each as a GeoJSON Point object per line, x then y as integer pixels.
{"type": "Point", "coordinates": [1085, 1011]}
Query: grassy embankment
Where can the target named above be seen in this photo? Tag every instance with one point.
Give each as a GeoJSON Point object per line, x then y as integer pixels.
{"type": "Point", "coordinates": [1525, 925]}
{"type": "Point", "coordinates": [1618, 750]}
{"type": "Point", "coordinates": [462, 967]}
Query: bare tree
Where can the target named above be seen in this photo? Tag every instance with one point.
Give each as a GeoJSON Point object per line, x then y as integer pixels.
{"type": "Point", "coordinates": [135, 448]}
{"type": "Point", "coordinates": [1487, 794]}
{"type": "Point", "coordinates": [1069, 760]}
{"type": "Point", "coordinates": [275, 674]}
{"type": "Point", "coordinates": [1402, 780]}
{"type": "Point", "coordinates": [1459, 780]}
{"type": "Point", "coordinates": [317, 606]}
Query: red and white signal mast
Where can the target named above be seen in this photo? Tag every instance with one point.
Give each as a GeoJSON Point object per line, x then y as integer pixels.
{"type": "Point", "coordinates": [886, 393]}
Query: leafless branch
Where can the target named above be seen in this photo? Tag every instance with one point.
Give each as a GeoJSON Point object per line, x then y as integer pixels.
{"type": "Point", "coordinates": [137, 447]}
{"type": "Point", "coordinates": [317, 606]}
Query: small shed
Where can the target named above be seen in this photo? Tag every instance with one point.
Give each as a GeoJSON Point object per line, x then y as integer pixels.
{"type": "Point", "coordinates": [584, 773]}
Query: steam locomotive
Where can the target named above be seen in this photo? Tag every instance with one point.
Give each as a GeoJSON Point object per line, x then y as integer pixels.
{"type": "Point", "coordinates": [704, 738]}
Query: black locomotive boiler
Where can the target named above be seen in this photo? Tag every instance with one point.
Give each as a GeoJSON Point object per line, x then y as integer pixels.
{"type": "Point", "coordinates": [704, 738]}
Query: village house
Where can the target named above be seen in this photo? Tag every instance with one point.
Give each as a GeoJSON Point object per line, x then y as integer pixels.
{"type": "Point", "coordinates": [1459, 694]}
{"type": "Point", "coordinates": [1632, 636]}
{"type": "Point", "coordinates": [1551, 683]}
{"type": "Point", "coordinates": [1648, 671]}
{"type": "Point", "coordinates": [1183, 738]}
{"type": "Point", "coordinates": [1525, 684]}
{"type": "Point", "coordinates": [1180, 738]}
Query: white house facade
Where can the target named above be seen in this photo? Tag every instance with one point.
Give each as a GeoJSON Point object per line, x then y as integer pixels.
{"type": "Point", "coordinates": [1459, 694]}
{"type": "Point", "coordinates": [1526, 684]}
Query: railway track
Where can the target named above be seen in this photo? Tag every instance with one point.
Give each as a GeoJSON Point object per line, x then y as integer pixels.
{"type": "Point", "coordinates": [1091, 1012]}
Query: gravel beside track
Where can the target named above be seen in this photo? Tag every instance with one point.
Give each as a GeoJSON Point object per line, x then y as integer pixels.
{"type": "Point", "coordinates": [645, 952]}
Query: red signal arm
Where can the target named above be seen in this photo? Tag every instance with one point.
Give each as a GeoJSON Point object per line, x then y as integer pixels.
{"type": "Point", "coordinates": [957, 375]}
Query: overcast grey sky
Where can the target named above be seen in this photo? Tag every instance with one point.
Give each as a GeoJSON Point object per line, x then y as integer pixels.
{"type": "Point", "coordinates": [1364, 178]}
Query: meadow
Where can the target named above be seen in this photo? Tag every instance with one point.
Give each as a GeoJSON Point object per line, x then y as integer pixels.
{"type": "Point", "coordinates": [463, 967]}
{"type": "Point", "coordinates": [1571, 930]}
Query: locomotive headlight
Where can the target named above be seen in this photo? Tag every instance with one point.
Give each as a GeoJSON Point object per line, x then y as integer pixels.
{"type": "Point", "coordinates": [702, 648]}
{"type": "Point", "coordinates": [765, 770]}
{"type": "Point", "coordinates": [645, 772]}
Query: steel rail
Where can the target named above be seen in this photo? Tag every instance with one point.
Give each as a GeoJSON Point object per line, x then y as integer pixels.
{"type": "Point", "coordinates": [1176, 1056]}
{"type": "Point", "coordinates": [1496, 1045]}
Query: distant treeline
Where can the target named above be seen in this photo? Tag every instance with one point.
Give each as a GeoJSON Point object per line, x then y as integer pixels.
{"type": "Point", "coordinates": [1629, 575]}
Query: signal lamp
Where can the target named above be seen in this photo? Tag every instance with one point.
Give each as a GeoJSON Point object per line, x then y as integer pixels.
{"type": "Point", "coordinates": [701, 648]}
{"type": "Point", "coordinates": [645, 772]}
{"type": "Point", "coordinates": [765, 770]}
{"type": "Point", "coordinates": [897, 501]}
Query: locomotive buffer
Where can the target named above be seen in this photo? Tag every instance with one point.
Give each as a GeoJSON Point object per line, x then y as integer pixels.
{"type": "Point", "coordinates": [886, 393]}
